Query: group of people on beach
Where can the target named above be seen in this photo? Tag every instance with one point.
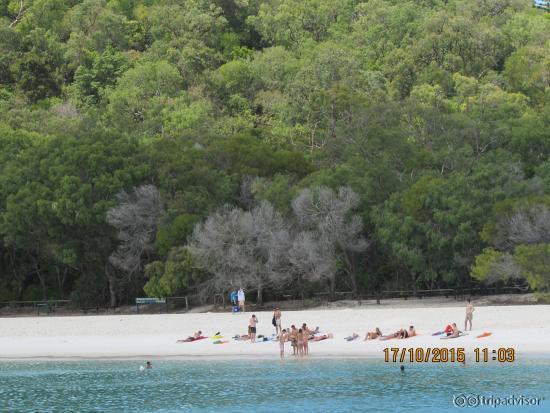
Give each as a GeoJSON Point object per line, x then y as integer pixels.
{"type": "Point", "coordinates": [299, 338]}
{"type": "Point", "coordinates": [401, 333]}
{"type": "Point", "coordinates": [450, 331]}
{"type": "Point", "coordinates": [237, 299]}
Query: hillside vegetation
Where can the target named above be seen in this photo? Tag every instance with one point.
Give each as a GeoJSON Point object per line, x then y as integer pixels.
{"type": "Point", "coordinates": [298, 145]}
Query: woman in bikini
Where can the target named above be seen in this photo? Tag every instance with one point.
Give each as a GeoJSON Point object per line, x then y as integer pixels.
{"type": "Point", "coordinates": [373, 334]}
{"type": "Point", "coordinates": [300, 342]}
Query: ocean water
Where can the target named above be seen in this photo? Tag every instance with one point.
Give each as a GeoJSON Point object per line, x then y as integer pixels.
{"type": "Point", "coordinates": [303, 385]}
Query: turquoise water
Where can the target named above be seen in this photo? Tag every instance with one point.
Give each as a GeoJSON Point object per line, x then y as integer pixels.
{"type": "Point", "coordinates": [314, 385]}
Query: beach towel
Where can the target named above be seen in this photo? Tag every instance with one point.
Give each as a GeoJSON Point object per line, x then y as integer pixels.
{"type": "Point", "coordinates": [351, 338]}
{"type": "Point", "coordinates": [217, 336]}
{"type": "Point", "coordinates": [485, 334]}
{"type": "Point", "coordinates": [438, 333]}
{"type": "Point", "coordinates": [449, 337]}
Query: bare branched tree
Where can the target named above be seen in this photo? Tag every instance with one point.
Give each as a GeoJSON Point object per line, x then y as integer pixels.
{"type": "Point", "coordinates": [243, 248]}
{"type": "Point", "coordinates": [313, 258]}
{"type": "Point", "coordinates": [135, 218]}
{"type": "Point", "coordinates": [530, 224]}
{"type": "Point", "coordinates": [505, 268]}
{"type": "Point", "coordinates": [333, 231]}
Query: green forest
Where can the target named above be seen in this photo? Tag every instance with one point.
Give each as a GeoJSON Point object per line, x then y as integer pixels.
{"type": "Point", "coordinates": [172, 147]}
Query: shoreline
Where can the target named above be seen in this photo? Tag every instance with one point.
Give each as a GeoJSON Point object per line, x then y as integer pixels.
{"type": "Point", "coordinates": [245, 357]}
{"type": "Point", "coordinates": [125, 337]}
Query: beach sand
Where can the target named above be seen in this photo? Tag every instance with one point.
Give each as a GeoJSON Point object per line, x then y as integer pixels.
{"type": "Point", "coordinates": [524, 328]}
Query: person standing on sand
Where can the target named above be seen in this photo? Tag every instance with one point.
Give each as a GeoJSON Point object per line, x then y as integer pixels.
{"type": "Point", "coordinates": [277, 320]}
{"type": "Point", "coordinates": [282, 338]}
{"type": "Point", "coordinates": [306, 343]}
{"type": "Point", "coordinates": [300, 342]}
{"type": "Point", "coordinates": [240, 297]}
{"type": "Point", "coordinates": [469, 315]}
{"type": "Point", "coordinates": [252, 327]}
{"type": "Point", "coordinates": [293, 339]}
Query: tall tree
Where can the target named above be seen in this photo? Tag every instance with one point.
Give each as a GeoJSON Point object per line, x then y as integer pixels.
{"type": "Point", "coordinates": [243, 248]}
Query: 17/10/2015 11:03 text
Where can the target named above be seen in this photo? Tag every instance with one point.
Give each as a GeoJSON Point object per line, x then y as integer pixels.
{"type": "Point", "coordinates": [447, 355]}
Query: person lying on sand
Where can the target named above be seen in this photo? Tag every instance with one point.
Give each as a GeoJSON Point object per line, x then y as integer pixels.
{"type": "Point", "coordinates": [243, 337]}
{"type": "Point", "coordinates": [403, 334]}
{"type": "Point", "coordinates": [310, 333]}
{"type": "Point", "coordinates": [397, 334]}
{"type": "Point", "coordinates": [352, 337]}
{"type": "Point", "coordinates": [454, 333]}
{"type": "Point", "coordinates": [373, 334]}
{"type": "Point", "coordinates": [447, 330]}
{"type": "Point", "coordinates": [323, 337]}
{"type": "Point", "coordinates": [412, 331]}
{"type": "Point", "coordinates": [194, 337]}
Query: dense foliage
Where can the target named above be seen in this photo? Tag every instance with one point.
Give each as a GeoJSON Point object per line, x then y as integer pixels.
{"type": "Point", "coordinates": [436, 113]}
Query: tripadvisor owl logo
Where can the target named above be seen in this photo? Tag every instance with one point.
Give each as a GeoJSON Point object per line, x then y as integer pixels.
{"type": "Point", "coordinates": [475, 400]}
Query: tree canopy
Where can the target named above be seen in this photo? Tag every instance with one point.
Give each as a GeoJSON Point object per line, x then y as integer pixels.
{"type": "Point", "coordinates": [348, 144]}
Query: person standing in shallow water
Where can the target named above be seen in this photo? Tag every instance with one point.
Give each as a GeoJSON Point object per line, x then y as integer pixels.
{"type": "Point", "coordinates": [469, 315]}
{"type": "Point", "coordinates": [305, 344]}
{"type": "Point", "coordinates": [293, 339]}
{"type": "Point", "coordinates": [282, 338]}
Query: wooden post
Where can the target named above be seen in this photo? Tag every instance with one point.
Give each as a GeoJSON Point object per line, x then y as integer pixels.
{"type": "Point", "coordinates": [186, 304]}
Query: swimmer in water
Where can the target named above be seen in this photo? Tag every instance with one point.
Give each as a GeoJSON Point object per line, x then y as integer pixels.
{"type": "Point", "coordinates": [148, 365]}
{"type": "Point", "coordinates": [402, 368]}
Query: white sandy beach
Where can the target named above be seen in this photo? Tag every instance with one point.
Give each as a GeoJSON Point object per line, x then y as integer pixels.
{"type": "Point", "coordinates": [525, 328]}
